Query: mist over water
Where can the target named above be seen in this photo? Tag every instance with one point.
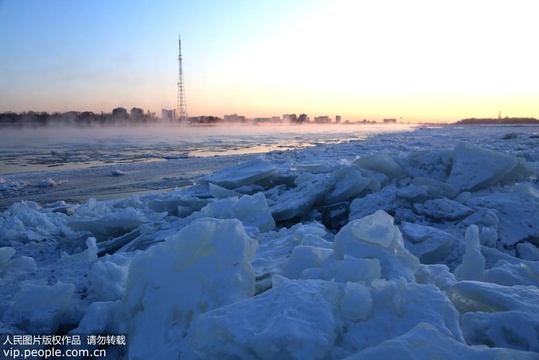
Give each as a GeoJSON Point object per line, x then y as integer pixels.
{"type": "Point", "coordinates": [41, 149]}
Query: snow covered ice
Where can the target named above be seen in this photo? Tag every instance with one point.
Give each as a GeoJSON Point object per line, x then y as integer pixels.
{"type": "Point", "coordinates": [408, 245]}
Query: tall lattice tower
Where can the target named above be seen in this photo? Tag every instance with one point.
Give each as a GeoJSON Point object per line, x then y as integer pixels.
{"type": "Point", "coordinates": [181, 107]}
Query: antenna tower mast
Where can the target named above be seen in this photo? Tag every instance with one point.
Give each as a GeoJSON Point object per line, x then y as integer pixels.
{"type": "Point", "coordinates": [181, 105]}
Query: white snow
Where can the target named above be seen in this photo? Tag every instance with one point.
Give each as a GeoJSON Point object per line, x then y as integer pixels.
{"type": "Point", "coordinates": [412, 245]}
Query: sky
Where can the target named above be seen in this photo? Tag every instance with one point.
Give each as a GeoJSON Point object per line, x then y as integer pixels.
{"type": "Point", "coordinates": [428, 61]}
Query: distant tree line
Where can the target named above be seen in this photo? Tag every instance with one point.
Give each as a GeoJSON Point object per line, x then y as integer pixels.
{"type": "Point", "coordinates": [119, 116]}
{"type": "Point", "coordinates": [489, 121]}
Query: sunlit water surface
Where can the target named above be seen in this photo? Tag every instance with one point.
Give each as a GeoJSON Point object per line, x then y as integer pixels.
{"type": "Point", "coordinates": [28, 150]}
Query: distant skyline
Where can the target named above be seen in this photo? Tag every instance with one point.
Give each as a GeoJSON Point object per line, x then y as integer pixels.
{"type": "Point", "coordinates": [410, 60]}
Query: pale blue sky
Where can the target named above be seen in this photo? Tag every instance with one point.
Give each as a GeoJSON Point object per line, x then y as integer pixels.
{"type": "Point", "coordinates": [417, 59]}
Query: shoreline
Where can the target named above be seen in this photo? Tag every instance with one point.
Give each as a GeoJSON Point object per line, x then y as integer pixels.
{"type": "Point", "coordinates": [113, 181]}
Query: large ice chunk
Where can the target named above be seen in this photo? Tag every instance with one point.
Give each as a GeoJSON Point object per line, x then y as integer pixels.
{"type": "Point", "coordinates": [107, 280]}
{"type": "Point", "coordinates": [473, 262]}
{"type": "Point", "coordinates": [375, 236]}
{"type": "Point", "coordinates": [251, 210]}
{"type": "Point", "coordinates": [101, 318]}
{"type": "Point", "coordinates": [475, 168]}
{"type": "Point", "coordinates": [422, 188]}
{"type": "Point", "coordinates": [108, 219]}
{"type": "Point", "coordinates": [386, 199]}
{"type": "Point", "coordinates": [243, 174]}
{"type": "Point", "coordinates": [204, 266]}
{"type": "Point", "coordinates": [426, 342]}
{"type": "Point", "coordinates": [348, 182]}
{"type": "Point", "coordinates": [434, 164]}
{"type": "Point", "coordinates": [180, 203]}
{"type": "Point", "coordinates": [356, 302]}
{"type": "Point", "coordinates": [293, 320]}
{"type": "Point", "coordinates": [298, 201]}
{"type": "Point", "coordinates": [276, 246]}
{"type": "Point", "coordinates": [442, 209]}
{"type": "Point", "coordinates": [429, 244]}
{"type": "Point", "coordinates": [398, 306]}
{"type": "Point", "coordinates": [382, 163]}
{"type": "Point", "coordinates": [470, 296]}
{"type": "Point", "coordinates": [521, 273]}
{"type": "Point", "coordinates": [527, 251]}
{"type": "Point", "coordinates": [28, 221]}
{"type": "Point", "coordinates": [517, 213]}
{"type": "Point", "coordinates": [498, 315]}
{"type": "Point", "coordinates": [377, 229]}
{"type": "Point", "coordinates": [510, 329]}
{"type": "Point", "coordinates": [219, 192]}
{"type": "Point", "coordinates": [435, 274]}
{"type": "Point", "coordinates": [90, 254]}
{"type": "Point", "coordinates": [304, 257]}
{"type": "Point", "coordinates": [10, 266]}
{"type": "Point", "coordinates": [38, 309]}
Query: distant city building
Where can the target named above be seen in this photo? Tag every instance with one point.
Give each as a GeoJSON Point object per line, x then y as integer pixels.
{"type": "Point", "coordinates": [337, 119]}
{"type": "Point", "coordinates": [137, 113]}
{"type": "Point", "coordinates": [234, 118]}
{"type": "Point", "coordinates": [87, 114]}
{"type": "Point", "coordinates": [322, 119]}
{"type": "Point", "coordinates": [365, 121]}
{"type": "Point", "coordinates": [390, 121]}
{"type": "Point", "coordinates": [261, 120]}
{"type": "Point", "coordinates": [303, 118]}
{"type": "Point", "coordinates": [293, 118]}
{"type": "Point", "coordinates": [168, 115]}
{"type": "Point", "coordinates": [204, 120]}
{"type": "Point", "coordinates": [120, 112]}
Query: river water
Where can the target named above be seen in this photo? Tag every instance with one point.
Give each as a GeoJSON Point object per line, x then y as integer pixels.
{"type": "Point", "coordinates": [40, 149]}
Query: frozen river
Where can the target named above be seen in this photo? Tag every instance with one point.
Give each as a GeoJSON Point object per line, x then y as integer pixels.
{"type": "Point", "coordinates": [71, 164]}
{"type": "Point", "coordinates": [77, 163]}
{"type": "Point", "coordinates": [30, 150]}
{"type": "Point", "coordinates": [298, 243]}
